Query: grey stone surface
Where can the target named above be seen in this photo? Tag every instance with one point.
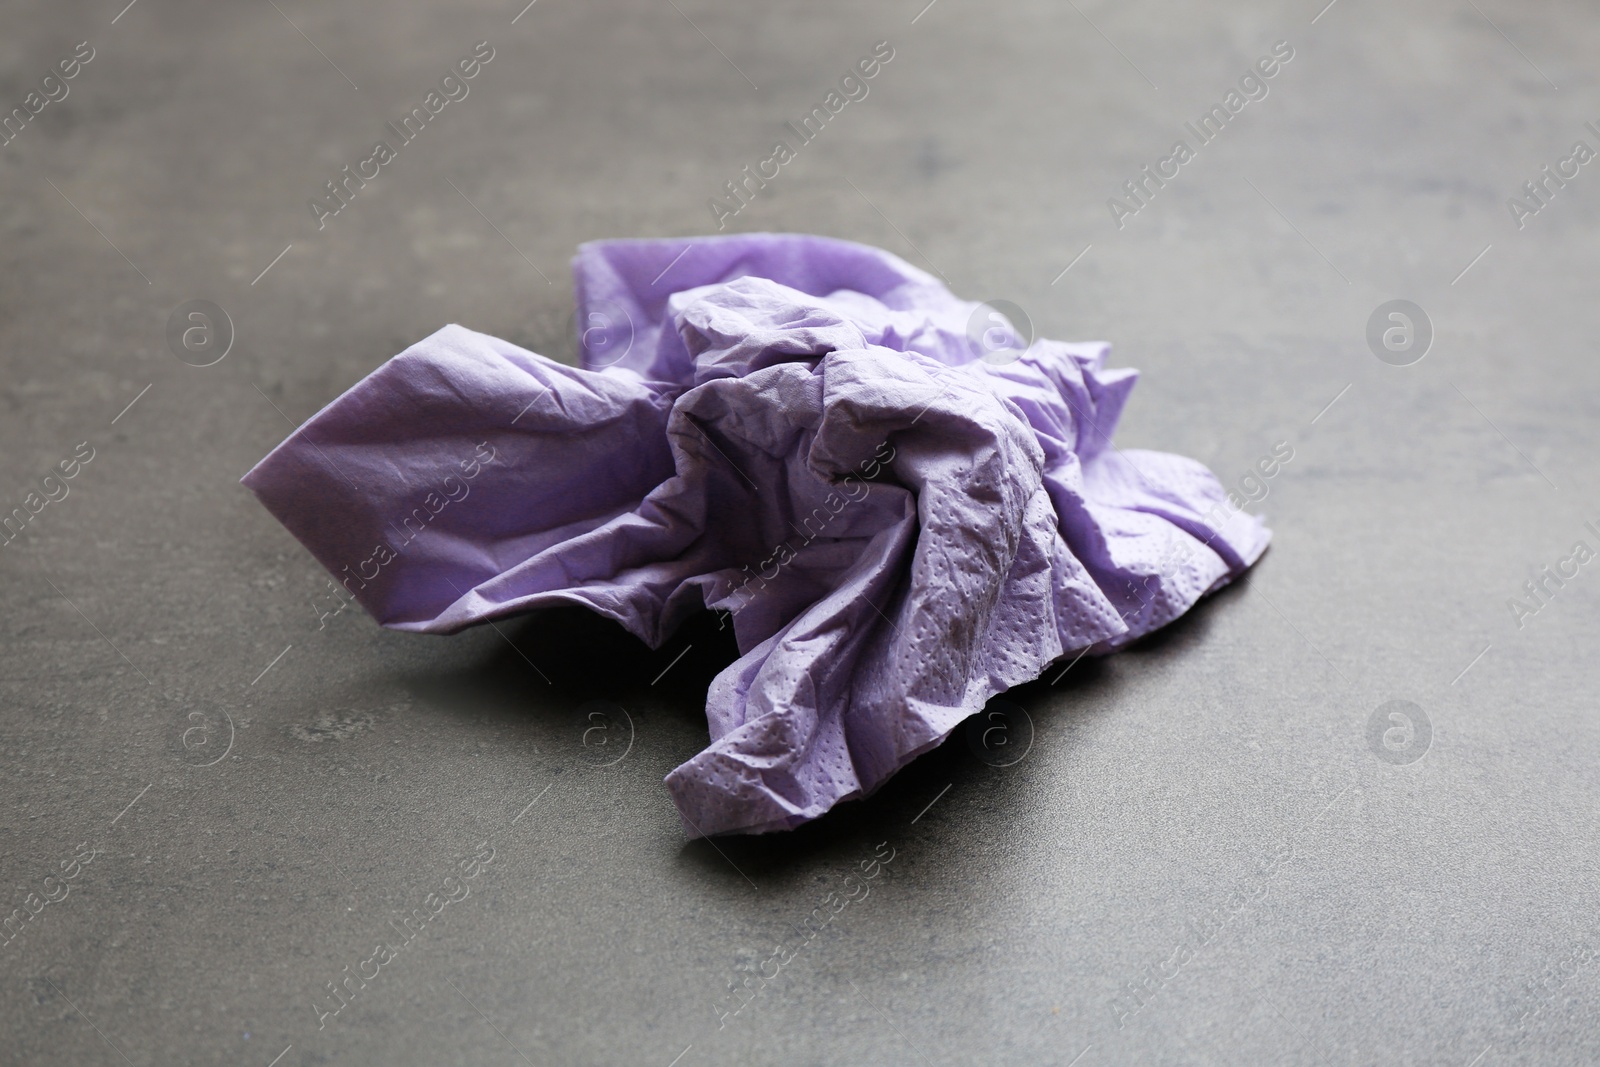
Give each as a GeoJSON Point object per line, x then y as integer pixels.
{"type": "Point", "coordinates": [1209, 817]}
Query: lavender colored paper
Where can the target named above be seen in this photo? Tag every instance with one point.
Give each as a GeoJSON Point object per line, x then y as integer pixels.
{"type": "Point", "coordinates": [792, 429]}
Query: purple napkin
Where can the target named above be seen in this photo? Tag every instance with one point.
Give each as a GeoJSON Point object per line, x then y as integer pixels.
{"type": "Point", "coordinates": [797, 431]}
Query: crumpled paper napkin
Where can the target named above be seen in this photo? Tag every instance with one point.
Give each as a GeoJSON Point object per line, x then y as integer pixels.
{"type": "Point", "coordinates": [795, 430]}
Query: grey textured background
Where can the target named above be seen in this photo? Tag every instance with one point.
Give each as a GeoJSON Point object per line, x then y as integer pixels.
{"type": "Point", "coordinates": [1429, 912]}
